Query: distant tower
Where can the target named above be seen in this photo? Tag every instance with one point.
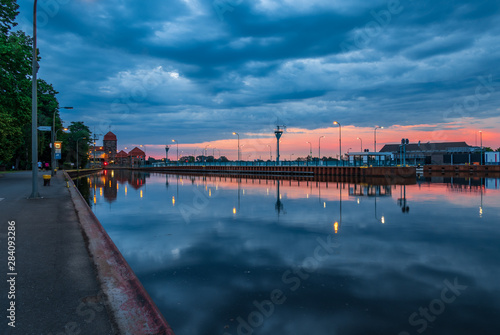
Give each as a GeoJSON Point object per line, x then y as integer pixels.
{"type": "Point", "coordinates": [278, 132]}
{"type": "Point", "coordinates": [109, 144]}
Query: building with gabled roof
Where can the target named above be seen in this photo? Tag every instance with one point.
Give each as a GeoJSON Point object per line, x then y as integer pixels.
{"type": "Point", "coordinates": [434, 153]}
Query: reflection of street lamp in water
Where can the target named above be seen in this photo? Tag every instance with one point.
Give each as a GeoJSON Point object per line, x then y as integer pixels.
{"type": "Point", "coordinates": [279, 204]}
{"type": "Point", "coordinates": [481, 206]}
{"type": "Point", "coordinates": [337, 224]}
{"type": "Point", "coordinates": [382, 219]}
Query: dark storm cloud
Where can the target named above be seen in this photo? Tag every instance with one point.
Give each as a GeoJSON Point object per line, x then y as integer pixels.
{"type": "Point", "coordinates": [198, 65]}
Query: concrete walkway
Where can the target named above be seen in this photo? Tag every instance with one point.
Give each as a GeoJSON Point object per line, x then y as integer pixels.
{"type": "Point", "coordinates": [56, 287]}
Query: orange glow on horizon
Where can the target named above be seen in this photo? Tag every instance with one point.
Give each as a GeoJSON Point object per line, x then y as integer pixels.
{"type": "Point", "coordinates": [256, 145]}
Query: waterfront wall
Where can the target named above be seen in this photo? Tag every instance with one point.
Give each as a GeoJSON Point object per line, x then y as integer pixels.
{"type": "Point", "coordinates": [469, 169]}
{"type": "Point", "coordinates": [379, 171]}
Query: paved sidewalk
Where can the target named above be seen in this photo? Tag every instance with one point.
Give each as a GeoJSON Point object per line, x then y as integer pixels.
{"type": "Point", "coordinates": [56, 286]}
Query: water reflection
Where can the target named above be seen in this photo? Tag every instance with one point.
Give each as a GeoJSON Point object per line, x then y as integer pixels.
{"type": "Point", "coordinates": [213, 252]}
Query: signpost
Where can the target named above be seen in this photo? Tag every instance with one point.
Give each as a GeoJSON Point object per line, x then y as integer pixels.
{"type": "Point", "coordinates": [45, 128]}
{"type": "Point", "coordinates": [57, 146]}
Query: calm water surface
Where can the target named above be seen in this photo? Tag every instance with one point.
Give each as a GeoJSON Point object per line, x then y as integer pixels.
{"type": "Point", "coordinates": [223, 255]}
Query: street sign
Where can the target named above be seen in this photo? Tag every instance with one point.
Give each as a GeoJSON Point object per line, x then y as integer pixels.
{"type": "Point", "coordinates": [45, 128]}
{"type": "Point", "coordinates": [57, 145]}
{"type": "Point", "coordinates": [58, 155]}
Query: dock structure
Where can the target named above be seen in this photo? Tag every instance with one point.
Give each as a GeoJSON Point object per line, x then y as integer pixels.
{"type": "Point", "coordinates": [462, 169]}
{"type": "Point", "coordinates": [355, 171]}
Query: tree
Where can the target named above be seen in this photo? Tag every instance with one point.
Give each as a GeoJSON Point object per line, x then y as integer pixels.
{"type": "Point", "coordinates": [15, 89]}
{"type": "Point", "coordinates": [8, 13]}
{"type": "Point", "coordinates": [77, 130]}
{"type": "Point", "coordinates": [498, 149]}
{"type": "Point", "coordinates": [15, 94]}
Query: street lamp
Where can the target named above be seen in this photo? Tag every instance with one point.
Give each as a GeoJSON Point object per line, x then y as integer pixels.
{"type": "Point", "coordinates": [319, 147]}
{"type": "Point", "coordinates": [291, 156]}
{"type": "Point", "coordinates": [481, 137]}
{"type": "Point", "coordinates": [361, 143]}
{"type": "Point", "coordinates": [58, 130]}
{"type": "Point", "coordinates": [375, 138]}
{"type": "Point", "coordinates": [53, 151]}
{"type": "Point", "coordinates": [174, 141]}
{"type": "Point", "coordinates": [34, 119]}
{"type": "Point", "coordinates": [310, 149]}
{"type": "Point", "coordinates": [205, 155]}
{"type": "Point", "coordinates": [235, 133]}
{"type": "Point", "coordinates": [340, 138]}
{"type": "Point", "coordinates": [77, 163]}
{"type": "Point", "coordinates": [270, 155]}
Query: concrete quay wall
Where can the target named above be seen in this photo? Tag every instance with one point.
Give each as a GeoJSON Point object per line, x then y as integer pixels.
{"type": "Point", "coordinates": [380, 171]}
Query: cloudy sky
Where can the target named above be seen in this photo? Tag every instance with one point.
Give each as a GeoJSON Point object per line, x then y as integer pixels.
{"type": "Point", "coordinates": [198, 70]}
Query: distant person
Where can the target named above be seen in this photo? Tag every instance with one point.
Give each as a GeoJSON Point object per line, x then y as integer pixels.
{"type": "Point", "coordinates": [39, 165]}
{"type": "Point", "coordinates": [46, 166]}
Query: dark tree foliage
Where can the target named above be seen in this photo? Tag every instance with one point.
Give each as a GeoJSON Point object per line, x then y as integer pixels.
{"type": "Point", "coordinates": [77, 131]}
{"type": "Point", "coordinates": [15, 95]}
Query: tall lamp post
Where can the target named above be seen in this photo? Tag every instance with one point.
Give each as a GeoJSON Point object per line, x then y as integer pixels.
{"type": "Point", "coordinates": [270, 154]}
{"type": "Point", "coordinates": [481, 140]}
{"type": "Point", "coordinates": [340, 138]}
{"type": "Point", "coordinates": [53, 151]}
{"type": "Point", "coordinates": [205, 154]}
{"type": "Point", "coordinates": [175, 141]}
{"type": "Point", "coordinates": [361, 143]}
{"type": "Point", "coordinates": [375, 138]}
{"type": "Point", "coordinates": [310, 149]}
{"type": "Point", "coordinates": [77, 161]}
{"type": "Point", "coordinates": [34, 118]}
{"type": "Point", "coordinates": [319, 146]}
{"type": "Point", "coordinates": [235, 133]}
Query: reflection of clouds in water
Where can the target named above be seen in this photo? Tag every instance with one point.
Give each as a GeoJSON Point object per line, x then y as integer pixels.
{"type": "Point", "coordinates": [206, 273]}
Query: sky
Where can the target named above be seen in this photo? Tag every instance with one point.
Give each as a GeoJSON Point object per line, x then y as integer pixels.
{"type": "Point", "coordinates": [198, 70]}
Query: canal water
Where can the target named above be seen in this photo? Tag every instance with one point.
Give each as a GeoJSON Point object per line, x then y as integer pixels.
{"type": "Point", "coordinates": [224, 255]}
